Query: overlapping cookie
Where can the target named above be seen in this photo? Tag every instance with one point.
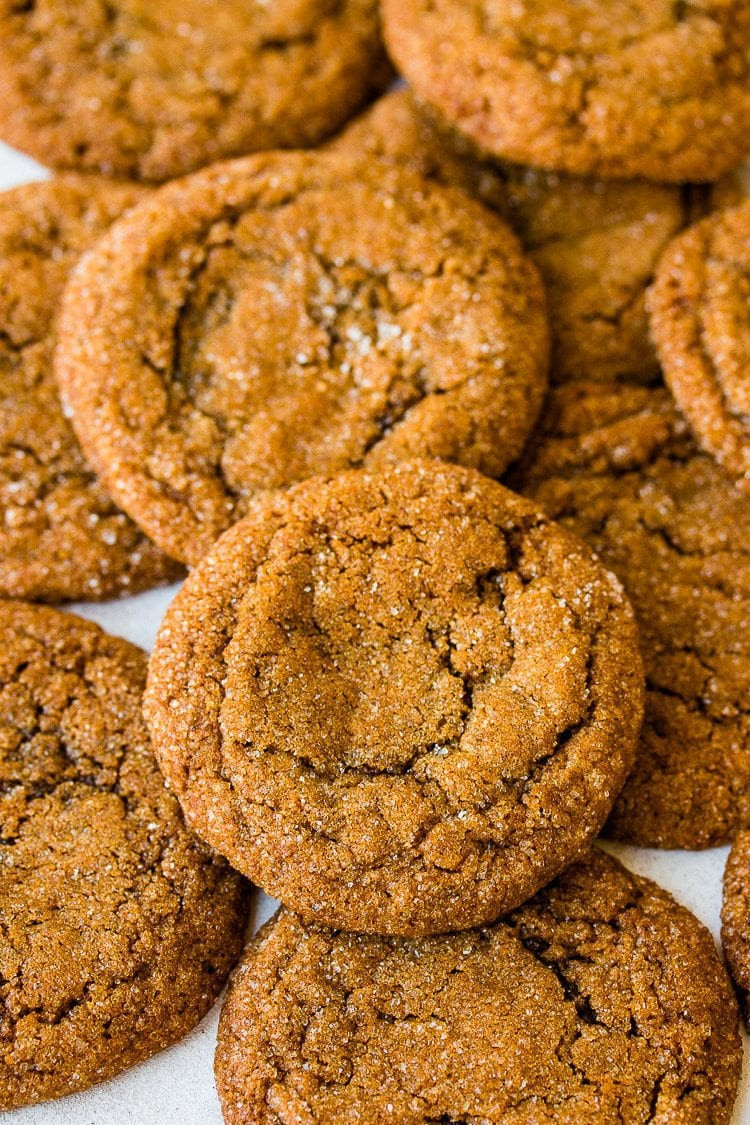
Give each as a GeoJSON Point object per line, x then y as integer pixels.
{"type": "Point", "coordinates": [596, 242]}
{"type": "Point", "coordinates": [400, 702]}
{"type": "Point", "coordinates": [618, 467]}
{"type": "Point", "coordinates": [61, 537]}
{"type": "Point", "coordinates": [735, 917]}
{"type": "Point", "coordinates": [600, 1000]}
{"type": "Point", "coordinates": [292, 314]}
{"type": "Point", "coordinates": [623, 88]}
{"type": "Point", "coordinates": [118, 926]}
{"type": "Point", "coordinates": [153, 91]}
{"type": "Point", "coordinates": [700, 319]}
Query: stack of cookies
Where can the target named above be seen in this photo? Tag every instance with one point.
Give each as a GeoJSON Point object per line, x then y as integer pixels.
{"type": "Point", "coordinates": [446, 410]}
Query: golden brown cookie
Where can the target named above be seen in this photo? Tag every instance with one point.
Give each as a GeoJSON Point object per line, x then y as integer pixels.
{"type": "Point", "coordinates": [599, 1002]}
{"type": "Point", "coordinates": [735, 918]}
{"type": "Point", "coordinates": [617, 466]}
{"type": "Point", "coordinates": [401, 701]}
{"type": "Point", "coordinates": [152, 91]}
{"type": "Point", "coordinates": [595, 242]}
{"type": "Point", "coordinates": [625, 88]}
{"type": "Point", "coordinates": [118, 925]}
{"type": "Point", "coordinates": [293, 314]}
{"type": "Point", "coordinates": [61, 537]}
{"type": "Point", "coordinates": [700, 320]}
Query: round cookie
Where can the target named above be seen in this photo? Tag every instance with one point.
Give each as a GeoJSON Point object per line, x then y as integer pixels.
{"type": "Point", "coordinates": [292, 314]}
{"type": "Point", "coordinates": [596, 242]}
{"type": "Point", "coordinates": [119, 926]}
{"type": "Point", "coordinates": [598, 1002]}
{"type": "Point", "coordinates": [625, 88]}
{"type": "Point", "coordinates": [400, 702]}
{"type": "Point", "coordinates": [700, 320]}
{"type": "Point", "coordinates": [617, 466]}
{"type": "Point", "coordinates": [152, 91]}
{"type": "Point", "coordinates": [61, 537]}
{"type": "Point", "coordinates": [735, 917]}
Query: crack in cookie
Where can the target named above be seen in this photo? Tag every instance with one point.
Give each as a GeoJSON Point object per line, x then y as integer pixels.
{"type": "Point", "coordinates": [617, 466]}
{"type": "Point", "coordinates": [155, 91]}
{"type": "Point", "coordinates": [616, 88]}
{"type": "Point", "coordinates": [599, 1001]}
{"type": "Point", "coordinates": [61, 536]}
{"type": "Point", "coordinates": [410, 700]}
{"type": "Point", "coordinates": [595, 242]}
{"type": "Point", "coordinates": [118, 926]}
{"type": "Point", "coordinates": [282, 316]}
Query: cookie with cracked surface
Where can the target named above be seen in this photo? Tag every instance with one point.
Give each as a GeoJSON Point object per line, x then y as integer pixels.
{"type": "Point", "coordinates": [119, 926]}
{"type": "Point", "coordinates": [595, 242]}
{"type": "Point", "coordinates": [617, 466]}
{"type": "Point", "coordinates": [700, 321]}
{"type": "Point", "coordinates": [400, 702]}
{"type": "Point", "coordinates": [735, 918]}
{"type": "Point", "coordinates": [600, 1001]}
{"type": "Point", "coordinates": [615, 88]}
{"type": "Point", "coordinates": [61, 537]}
{"type": "Point", "coordinates": [153, 91]}
{"type": "Point", "coordinates": [286, 315]}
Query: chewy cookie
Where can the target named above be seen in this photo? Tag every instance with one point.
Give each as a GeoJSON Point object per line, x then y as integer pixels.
{"type": "Point", "coordinates": [617, 466]}
{"type": "Point", "coordinates": [61, 537]}
{"type": "Point", "coordinates": [626, 88]}
{"type": "Point", "coordinates": [735, 917]}
{"type": "Point", "coordinates": [600, 1001]}
{"type": "Point", "coordinates": [118, 925]}
{"type": "Point", "coordinates": [595, 242]}
{"type": "Point", "coordinates": [400, 702]}
{"type": "Point", "coordinates": [700, 319]}
{"type": "Point", "coordinates": [154, 91]}
{"type": "Point", "coordinates": [293, 314]}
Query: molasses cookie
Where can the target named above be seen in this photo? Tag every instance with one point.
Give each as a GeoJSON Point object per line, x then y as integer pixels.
{"type": "Point", "coordinates": [292, 314]}
{"type": "Point", "coordinates": [735, 917]}
{"type": "Point", "coordinates": [61, 537]}
{"type": "Point", "coordinates": [118, 925]}
{"type": "Point", "coordinates": [401, 701]}
{"type": "Point", "coordinates": [617, 466]}
{"type": "Point", "coordinates": [595, 242]}
{"type": "Point", "coordinates": [600, 1001]}
{"type": "Point", "coordinates": [624, 88]}
{"type": "Point", "coordinates": [154, 91]}
{"type": "Point", "coordinates": [700, 319]}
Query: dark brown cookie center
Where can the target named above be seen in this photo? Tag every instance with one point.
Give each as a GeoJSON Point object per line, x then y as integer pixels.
{"type": "Point", "coordinates": [303, 364]}
{"type": "Point", "coordinates": [393, 665]}
{"type": "Point", "coordinates": [434, 1015]}
{"type": "Point", "coordinates": [307, 335]}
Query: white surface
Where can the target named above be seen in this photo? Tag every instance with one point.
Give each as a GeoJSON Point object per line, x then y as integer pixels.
{"type": "Point", "coordinates": [176, 1087]}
